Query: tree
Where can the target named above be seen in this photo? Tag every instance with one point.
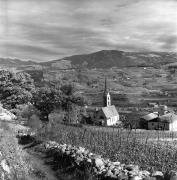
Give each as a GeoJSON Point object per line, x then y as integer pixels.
{"type": "Point", "coordinates": [72, 96]}
{"type": "Point", "coordinates": [73, 103]}
{"type": "Point", "coordinates": [46, 100]}
{"type": "Point", "coordinates": [131, 121]}
{"type": "Point", "coordinates": [15, 88]}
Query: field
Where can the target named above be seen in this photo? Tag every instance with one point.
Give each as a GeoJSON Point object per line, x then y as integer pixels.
{"type": "Point", "coordinates": [144, 148]}
{"type": "Point", "coordinates": [128, 85]}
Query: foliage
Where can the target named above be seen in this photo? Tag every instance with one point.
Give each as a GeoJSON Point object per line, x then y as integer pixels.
{"type": "Point", "coordinates": [73, 103]}
{"type": "Point", "coordinates": [67, 89]}
{"type": "Point", "coordinates": [72, 96]}
{"type": "Point", "coordinates": [15, 88]}
{"type": "Point", "coordinates": [130, 121]}
{"type": "Point", "coordinates": [74, 114]}
{"type": "Point", "coordinates": [29, 110]}
{"type": "Point", "coordinates": [28, 115]}
{"type": "Point", "coordinates": [25, 111]}
{"type": "Point", "coordinates": [36, 75]}
{"type": "Point", "coordinates": [46, 100]}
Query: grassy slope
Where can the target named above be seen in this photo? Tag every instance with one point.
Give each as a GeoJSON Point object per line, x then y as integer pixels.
{"type": "Point", "coordinates": [24, 166]}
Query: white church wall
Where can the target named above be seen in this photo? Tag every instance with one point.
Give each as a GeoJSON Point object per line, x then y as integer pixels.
{"type": "Point", "coordinates": [112, 121]}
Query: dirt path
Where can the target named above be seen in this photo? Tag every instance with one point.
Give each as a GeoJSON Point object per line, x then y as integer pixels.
{"type": "Point", "coordinates": [24, 163]}
{"type": "Point", "coordinates": [41, 170]}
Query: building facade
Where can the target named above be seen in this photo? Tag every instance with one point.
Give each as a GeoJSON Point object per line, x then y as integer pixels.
{"type": "Point", "coordinates": [107, 115]}
{"type": "Point", "coordinates": [166, 122]}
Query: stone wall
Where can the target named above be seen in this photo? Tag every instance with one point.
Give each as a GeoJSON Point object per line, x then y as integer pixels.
{"type": "Point", "coordinates": [101, 168]}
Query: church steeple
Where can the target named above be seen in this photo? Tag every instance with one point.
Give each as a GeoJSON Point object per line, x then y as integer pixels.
{"type": "Point", "coordinates": [105, 85]}
{"type": "Point", "coordinates": [106, 95]}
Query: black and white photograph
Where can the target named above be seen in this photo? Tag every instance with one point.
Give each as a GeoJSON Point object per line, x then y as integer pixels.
{"type": "Point", "coordinates": [88, 89]}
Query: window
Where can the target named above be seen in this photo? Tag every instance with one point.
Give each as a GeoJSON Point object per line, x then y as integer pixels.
{"type": "Point", "coordinates": [101, 117]}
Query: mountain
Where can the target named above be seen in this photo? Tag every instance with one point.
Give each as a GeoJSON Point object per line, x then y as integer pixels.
{"type": "Point", "coordinates": [100, 59]}
{"type": "Point", "coordinates": [8, 62]}
{"type": "Point", "coordinates": [114, 58]}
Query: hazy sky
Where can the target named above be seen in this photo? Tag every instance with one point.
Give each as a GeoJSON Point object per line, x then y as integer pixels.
{"type": "Point", "coordinates": [51, 29]}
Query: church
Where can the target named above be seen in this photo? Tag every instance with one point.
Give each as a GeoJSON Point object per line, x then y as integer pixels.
{"type": "Point", "coordinates": [107, 115]}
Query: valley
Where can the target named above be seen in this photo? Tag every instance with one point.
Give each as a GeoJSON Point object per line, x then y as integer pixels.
{"type": "Point", "coordinates": [133, 78]}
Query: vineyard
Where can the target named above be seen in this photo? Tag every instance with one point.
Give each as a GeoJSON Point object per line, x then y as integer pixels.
{"type": "Point", "coordinates": [151, 150]}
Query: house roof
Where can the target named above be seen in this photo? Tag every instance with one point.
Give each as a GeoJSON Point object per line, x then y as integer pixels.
{"type": "Point", "coordinates": [170, 117]}
{"type": "Point", "coordinates": [149, 116]}
{"type": "Point", "coordinates": [110, 111]}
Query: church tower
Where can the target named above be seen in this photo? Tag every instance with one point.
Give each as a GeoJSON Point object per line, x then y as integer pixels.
{"type": "Point", "coordinates": [106, 96]}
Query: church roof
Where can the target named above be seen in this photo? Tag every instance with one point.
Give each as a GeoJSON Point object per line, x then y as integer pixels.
{"type": "Point", "coordinates": [110, 111]}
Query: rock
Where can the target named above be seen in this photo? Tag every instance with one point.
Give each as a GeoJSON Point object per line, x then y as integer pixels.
{"type": "Point", "coordinates": [122, 176]}
{"type": "Point", "coordinates": [67, 152]}
{"type": "Point", "coordinates": [81, 150]}
{"type": "Point", "coordinates": [108, 164]}
{"type": "Point", "coordinates": [95, 170]}
{"type": "Point", "coordinates": [116, 171]}
{"type": "Point", "coordinates": [144, 173]}
{"type": "Point", "coordinates": [135, 178]}
{"type": "Point", "coordinates": [78, 160]}
{"type": "Point", "coordinates": [116, 163]}
{"type": "Point", "coordinates": [170, 175]}
{"type": "Point", "coordinates": [89, 160]}
{"type": "Point", "coordinates": [133, 173]}
{"type": "Point", "coordinates": [157, 173]}
{"type": "Point", "coordinates": [63, 149]}
{"type": "Point", "coordinates": [103, 171]}
{"type": "Point", "coordinates": [68, 147]}
{"type": "Point", "coordinates": [110, 174]}
{"type": "Point", "coordinates": [111, 167]}
{"type": "Point", "coordinates": [5, 166]}
{"type": "Point", "coordinates": [132, 167]}
{"type": "Point", "coordinates": [98, 162]}
{"type": "Point", "coordinates": [150, 178]}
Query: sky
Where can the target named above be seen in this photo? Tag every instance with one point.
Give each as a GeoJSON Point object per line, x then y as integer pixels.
{"type": "Point", "coordinates": [43, 30]}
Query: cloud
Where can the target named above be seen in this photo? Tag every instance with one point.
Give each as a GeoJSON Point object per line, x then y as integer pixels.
{"type": "Point", "coordinates": [42, 30]}
{"type": "Point", "coordinates": [168, 42]}
{"type": "Point", "coordinates": [25, 50]}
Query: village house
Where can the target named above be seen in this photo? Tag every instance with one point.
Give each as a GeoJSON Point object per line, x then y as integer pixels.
{"type": "Point", "coordinates": [106, 115]}
{"type": "Point", "coordinates": [144, 120]}
{"type": "Point", "coordinates": [161, 119]}
{"type": "Point", "coordinates": [170, 121]}
{"type": "Point", "coordinates": [165, 122]}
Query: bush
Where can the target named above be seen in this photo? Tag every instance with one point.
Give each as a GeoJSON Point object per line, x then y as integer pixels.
{"type": "Point", "coordinates": [28, 115]}
{"type": "Point", "coordinates": [15, 88]}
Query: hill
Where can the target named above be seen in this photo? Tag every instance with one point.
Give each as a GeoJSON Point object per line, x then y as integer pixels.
{"type": "Point", "coordinates": [15, 63]}
{"type": "Point", "coordinates": [114, 58]}
{"type": "Point", "coordinates": [100, 59]}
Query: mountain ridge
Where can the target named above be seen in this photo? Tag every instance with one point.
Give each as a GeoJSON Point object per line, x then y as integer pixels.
{"type": "Point", "coordinates": [101, 59]}
{"type": "Point", "coordinates": [115, 58]}
{"type": "Point", "coordinates": [15, 61]}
